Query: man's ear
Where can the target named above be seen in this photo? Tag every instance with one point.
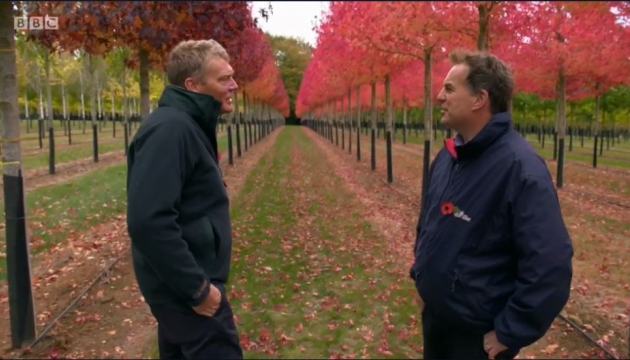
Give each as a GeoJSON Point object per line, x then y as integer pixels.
{"type": "Point", "coordinates": [190, 84]}
{"type": "Point", "coordinates": [481, 100]}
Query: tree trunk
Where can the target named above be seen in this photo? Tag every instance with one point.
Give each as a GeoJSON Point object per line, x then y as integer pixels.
{"type": "Point", "coordinates": [404, 124]}
{"type": "Point", "coordinates": [49, 114]}
{"type": "Point", "coordinates": [83, 118]}
{"type": "Point", "coordinates": [374, 126]}
{"type": "Point", "coordinates": [350, 121]}
{"type": "Point", "coordinates": [562, 126]}
{"type": "Point", "coordinates": [26, 107]}
{"type": "Point", "coordinates": [21, 308]}
{"type": "Point", "coordinates": [64, 105]}
{"type": "Point", "coordinates": [428, 123]}
{"type": "Point", "coordinates": [93, 110]}
{"type": "Point", "coordinates": [389, 122]}
{"type": "Point", "coordinates": [358, 95]}
{"type": "Point", "coordinates": [483, 35]}
{"type": "Point", "coordinates": [597, 128]}
{"type": "Point", "coordinates": [99, 103]}
{"type": "Point", "coordinates": [144, 83]}
{"type": "Point", "coordinates": [42, 114]}
{"type": "Point", "coordinates": [125, 113]}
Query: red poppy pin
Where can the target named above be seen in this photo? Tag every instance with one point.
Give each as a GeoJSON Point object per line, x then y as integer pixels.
{"type": "Point", "coordinates": [447, 208]}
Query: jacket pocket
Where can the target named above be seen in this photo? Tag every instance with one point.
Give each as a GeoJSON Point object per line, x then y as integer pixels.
{"type": "Point", "coordinates": [433, 288]}
{"type": "Point", "coordinates": [475, 310]}
{"type": "Point", "coordinates": [201, 237]}
{"type": "Point", "coordinates": [216, 239]}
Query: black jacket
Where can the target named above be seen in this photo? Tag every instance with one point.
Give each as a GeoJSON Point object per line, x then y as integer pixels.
{"type": "Point", "coordinates": [177, 204]}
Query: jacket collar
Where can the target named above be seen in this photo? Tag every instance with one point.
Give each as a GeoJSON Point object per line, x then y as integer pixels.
{"type": "Point", "coordinates": [203, 109]}
{"type": "Point", "coordinates": [498, 125]}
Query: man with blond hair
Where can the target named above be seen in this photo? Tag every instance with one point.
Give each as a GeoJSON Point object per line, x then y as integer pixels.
{"type": "Point", "coordinates": [493, 256]}
{"type": "Point", "coordinates": [178, 210]}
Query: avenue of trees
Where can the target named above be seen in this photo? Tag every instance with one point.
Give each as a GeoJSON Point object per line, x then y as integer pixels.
{"type": "Point", "coordinates": [292, 56]}
{"type": "Point", "coordinates": [105, 64]}
{"type": "Point", "coordinates": [97, 70]}
{"type": "Point", "coordinates": [380, 65]}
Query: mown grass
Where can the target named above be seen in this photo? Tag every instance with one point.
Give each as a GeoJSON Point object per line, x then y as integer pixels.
{"type": "Point", "coordinates": [55, 212]}
{"type": "Point", "coordinates": [34, 161]}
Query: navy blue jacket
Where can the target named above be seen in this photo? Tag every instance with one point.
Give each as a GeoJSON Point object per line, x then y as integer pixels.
{"type": "Point", "coordinates": [492, 251]}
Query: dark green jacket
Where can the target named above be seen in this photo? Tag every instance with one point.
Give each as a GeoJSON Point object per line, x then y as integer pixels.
{"type": "Point", "coordinates": [177, 205]}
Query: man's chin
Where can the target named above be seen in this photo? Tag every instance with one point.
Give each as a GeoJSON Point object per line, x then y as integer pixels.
{"type": "Point", "coordinates": [226, 108]}
{"type": "Point", "coordinates": [444, 120]}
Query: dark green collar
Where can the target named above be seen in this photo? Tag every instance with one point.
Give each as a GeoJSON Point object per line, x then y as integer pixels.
{"type": "Point", "coordinates": [204, 109]}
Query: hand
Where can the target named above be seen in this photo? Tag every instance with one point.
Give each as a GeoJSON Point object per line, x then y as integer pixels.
{"type": "Point", "coordinates": [419, 301]}
{"type": "Point", "coordinates": [210, 304]}
{"type": "Point", "coordinates": [492, 345]}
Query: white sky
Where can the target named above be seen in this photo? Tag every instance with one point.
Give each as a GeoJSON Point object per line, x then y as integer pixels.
{"type": "Point", "coordinates": [291, 18]}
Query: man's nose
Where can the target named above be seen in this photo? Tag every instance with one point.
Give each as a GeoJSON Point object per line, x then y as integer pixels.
{"type": "Point", "coordinates": [440, 98]}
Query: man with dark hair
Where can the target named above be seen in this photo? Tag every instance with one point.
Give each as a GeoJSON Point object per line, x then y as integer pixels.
{"type": "Point", "coordinates": [492, 259]}
{"type": "Point", "coordinates": [178, 208]}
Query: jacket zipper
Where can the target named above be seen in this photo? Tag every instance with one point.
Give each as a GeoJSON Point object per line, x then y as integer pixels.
{"type": "Point", "coordinates": [455, 278]}
{"type": "Point", "coordinates": [451, 176]}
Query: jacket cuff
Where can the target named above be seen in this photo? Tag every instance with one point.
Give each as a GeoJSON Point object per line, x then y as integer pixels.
{"type": "Point", "coordinates": [201, 294]}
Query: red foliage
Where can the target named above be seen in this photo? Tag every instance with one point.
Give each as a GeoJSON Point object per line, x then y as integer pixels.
{"type": "Point", "coordinates": [157, 26]}
{"type": "Point", "coordinates": [360, 42]}
{"type": "Point", "coordinates": [268, 88]}
{"type": "Point", "coordinates": [581, 37]}
{"type": "Point", "coordinates": [249, 54]}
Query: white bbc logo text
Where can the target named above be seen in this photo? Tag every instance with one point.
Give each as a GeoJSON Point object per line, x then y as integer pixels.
{"type": "Point", "coordinates": [36, 23]}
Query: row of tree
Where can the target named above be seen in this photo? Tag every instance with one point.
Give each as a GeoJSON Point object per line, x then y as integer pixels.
{"type": "Point", "coordinates": [576, 52]}
{"type": "Point", "coordinates": [92, 60]}
{"type": "Point", "coordinates": [70, 80]}
{"type": "Point", "coordinates": [101, 43]}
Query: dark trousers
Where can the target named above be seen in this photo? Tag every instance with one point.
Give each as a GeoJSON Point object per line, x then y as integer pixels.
{"type": "Point", "coordinates": [185, 334]}
{"type": "Point", "coordinates": [443, 341]}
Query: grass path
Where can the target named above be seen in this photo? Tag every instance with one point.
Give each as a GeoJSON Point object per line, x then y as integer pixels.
{"type": "Point", "coordinates": [311, 277]}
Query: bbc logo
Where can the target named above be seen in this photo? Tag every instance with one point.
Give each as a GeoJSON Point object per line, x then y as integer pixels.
{"type": "Point", "coordinates": [36, 23]}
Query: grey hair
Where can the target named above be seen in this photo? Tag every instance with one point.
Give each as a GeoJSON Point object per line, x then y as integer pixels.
{"type": "Point", "coordinates": [188, 59]}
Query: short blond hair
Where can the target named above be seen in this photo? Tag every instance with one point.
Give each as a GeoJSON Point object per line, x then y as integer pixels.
{"type": "Point", "coordinates": [188, 59]}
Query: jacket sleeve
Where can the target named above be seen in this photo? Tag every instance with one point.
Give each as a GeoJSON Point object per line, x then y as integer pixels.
{"type": "Point", "coordinates": [544, 268]}
{"type": "Point", "coordinates": [155, 180]}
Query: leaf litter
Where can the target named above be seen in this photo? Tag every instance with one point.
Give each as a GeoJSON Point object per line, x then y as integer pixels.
{"type": "Point", "coordinates": [111, 320]}
{"type": "Point", "coordinates": [407, 176]}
